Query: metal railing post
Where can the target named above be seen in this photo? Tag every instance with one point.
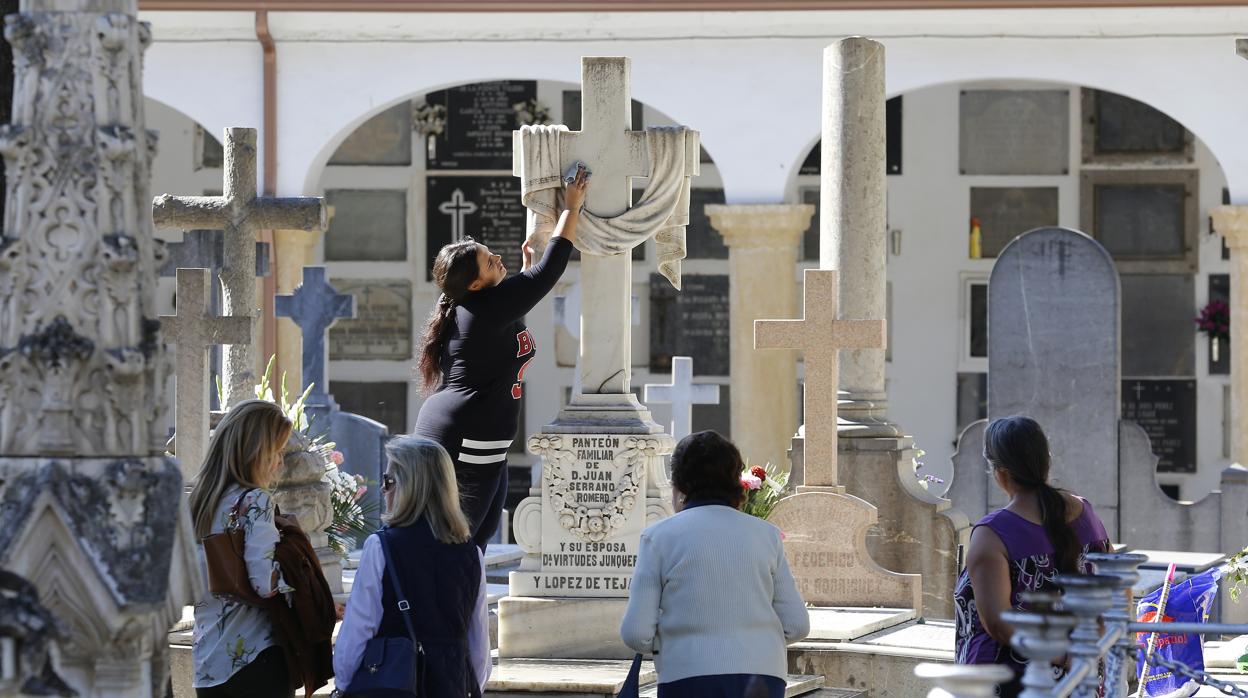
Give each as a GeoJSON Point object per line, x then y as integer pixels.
{"type": "Point", "coordinates": [1041, 636]}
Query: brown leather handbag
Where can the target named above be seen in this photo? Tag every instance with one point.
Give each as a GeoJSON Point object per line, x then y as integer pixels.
{"type": "Point", "coordinates": [227, 566]}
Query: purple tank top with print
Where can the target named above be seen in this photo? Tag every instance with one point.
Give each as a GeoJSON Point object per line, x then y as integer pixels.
{"type": "Point", "coordinates": [1031, 569]}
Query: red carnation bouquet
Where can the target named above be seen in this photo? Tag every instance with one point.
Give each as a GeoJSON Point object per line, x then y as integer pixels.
{"type": "Point", "coordinates": [763, 486]}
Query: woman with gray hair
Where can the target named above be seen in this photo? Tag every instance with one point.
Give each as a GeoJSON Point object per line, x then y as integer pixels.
{"type": "Point", "coordinates": [440, 575]}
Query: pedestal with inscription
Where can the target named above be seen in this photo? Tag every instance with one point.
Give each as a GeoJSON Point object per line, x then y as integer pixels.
{"type": "Point", "coordinates": [603, 476]}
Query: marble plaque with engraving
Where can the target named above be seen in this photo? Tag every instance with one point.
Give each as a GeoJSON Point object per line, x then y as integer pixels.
{"type": "Point", "coordinates": [368, 225]}
{"type": "Point", "coordinates": [824, 543]}
{"type": "Point", "coordinates": [590, 515]}
{"type": "Point", "coordinates": [383, 140]}
{"type": "Point", "coordinates": [1004, 213]}
{"type": "Point", "coordinates": [486, 208]}
{"type": "Point", "coordinates": [691, 322]}
{"type": "Point", "coordinates": [479, 120]}
{"type": "Point", "coordinates": [1149, 220]}
{"type": "Point", "coordinates": [1014, 132]}
{"type": "Point", "coordinates": [382, 327]}
{"type": "Point", "coordinates": [1166, 409]}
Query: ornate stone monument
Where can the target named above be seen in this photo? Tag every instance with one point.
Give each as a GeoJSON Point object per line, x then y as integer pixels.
{"type": "Point", "coordinates": [89, 506]}
{"type": "Point", "coordinates": [602, 458]}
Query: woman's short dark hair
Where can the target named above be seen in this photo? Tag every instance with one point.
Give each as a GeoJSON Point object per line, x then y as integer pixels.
{"type": "Point", "coordinates": [705, 466]}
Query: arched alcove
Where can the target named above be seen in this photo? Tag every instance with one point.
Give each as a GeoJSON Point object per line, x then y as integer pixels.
{"type": "Point", "coordinates": [1015, 155]}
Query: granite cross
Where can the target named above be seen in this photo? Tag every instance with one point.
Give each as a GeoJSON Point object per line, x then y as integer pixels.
{"type": "Point", "coordinates": [458, 208]}
{"type": "Point", "coordinates": [615, 153]}
{"type": "Point", "coordinates": [194, 329]}
{"type": "Point", "coordinates": [820, 335]}
{"type": "Point", "coordinates": [239, 213]}
{"type": "Point", "coordinates": [682, 395]}
{"type": "Point", "coordinates": [314, 306]}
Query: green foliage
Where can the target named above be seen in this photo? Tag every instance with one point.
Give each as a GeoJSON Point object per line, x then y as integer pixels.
{"type": "Point", "coordinates": [764, 485]}
{"type": "Point", "coordinates": [1237, 572]}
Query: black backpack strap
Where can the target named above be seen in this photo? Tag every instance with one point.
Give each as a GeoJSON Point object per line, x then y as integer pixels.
{"type": "Point", "coordinates": [405, 608]}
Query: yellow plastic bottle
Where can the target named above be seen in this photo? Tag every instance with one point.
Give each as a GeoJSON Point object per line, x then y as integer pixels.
{"type": "Point", "coordinates": [977, 240]}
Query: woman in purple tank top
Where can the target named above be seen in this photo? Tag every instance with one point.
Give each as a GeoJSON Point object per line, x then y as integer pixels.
{"type": "Point", "coordinates": [1041, 532]}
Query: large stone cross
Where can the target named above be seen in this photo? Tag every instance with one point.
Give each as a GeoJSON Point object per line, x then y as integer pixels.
{"type": "Point", "coordinates": [194, 329]}
{"type": "Point", "coordinates": [615, 154]}
{"type": "Point", "coordinates": [239, 213]}
{"type": "Point", "coordinates": [314, 307]}
{"type": "Point", "coordinates": [820, 336]}
{"type": "Point", "coordinates": [682, 394]}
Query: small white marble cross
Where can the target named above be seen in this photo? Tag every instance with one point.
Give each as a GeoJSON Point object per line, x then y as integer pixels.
{"type": "Point", "coordinates": [240, 213]}
{"type": "Point", "coordinates": [194, 329]}
{"type": "Point", "coordinates": [820, 336]}
{"type": "Point", "coordinates": [682, 394]}
{"type": "Point", "coordinates": [458, 208]}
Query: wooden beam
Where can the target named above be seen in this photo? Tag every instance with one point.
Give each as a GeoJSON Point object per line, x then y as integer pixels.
{"type": "Point", "coordinates": [652, 5]}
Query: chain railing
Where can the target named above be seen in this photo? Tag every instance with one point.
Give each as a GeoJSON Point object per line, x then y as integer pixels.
{"type": "Point", "coordinates": [1092, 624]}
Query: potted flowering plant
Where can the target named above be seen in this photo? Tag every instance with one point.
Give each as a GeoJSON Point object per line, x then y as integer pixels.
{"type": "Point", "coordinates": [1214, 321]}
{"type": "Point", "coordinates": [763, 486]}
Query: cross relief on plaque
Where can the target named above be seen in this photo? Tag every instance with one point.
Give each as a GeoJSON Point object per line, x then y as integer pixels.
{"type": "Point", "coordinates": [682, 394]}
{"type": "Point", "coordinates": [458, 208]}
{"type": "Point", "coordinates": [820, 336]}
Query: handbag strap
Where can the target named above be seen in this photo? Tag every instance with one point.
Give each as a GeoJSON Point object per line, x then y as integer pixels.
{"type": "Point", "coordinates": [405, 608]}
{"type": "Point", "coordinates": [234, 509]}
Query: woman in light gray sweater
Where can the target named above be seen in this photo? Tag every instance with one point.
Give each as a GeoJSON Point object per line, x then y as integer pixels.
{"type": "Point", "coordinates": [712, 597]}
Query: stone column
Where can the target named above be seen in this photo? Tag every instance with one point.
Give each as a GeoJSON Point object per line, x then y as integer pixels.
{"type": "Point", "coordinates": [92, 514]}
{"type": "Point", "coordinates": [762, 242]}
{"type": "Point", "coordinates": [292, 251]}
{"type": "Point", "coordinates": [1231, 222]}
{"type": "Point", "coordinates": [853, 218]}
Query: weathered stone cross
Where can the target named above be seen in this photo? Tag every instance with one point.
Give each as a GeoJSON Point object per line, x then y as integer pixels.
{"type": "Point", "coordinates": [820, 335]}
{"type": "Point", "coordinates": [615, 154]}
{"type": "Point", "coordinates": [314, 307]}
{"type": "Point", "coordinates": [682, 394]}
{"type": "Point", "coordinates": [194, 329]}
{"type": "Point", "coordinates": [240, 213]}
{"type": "Point", "coordinates": [458, 208]}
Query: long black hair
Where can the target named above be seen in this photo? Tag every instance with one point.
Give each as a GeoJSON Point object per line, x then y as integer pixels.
{"type": "Point", "coordinates": [1018, 446]}
{"type": "Point", "coordinates": [453, 270]}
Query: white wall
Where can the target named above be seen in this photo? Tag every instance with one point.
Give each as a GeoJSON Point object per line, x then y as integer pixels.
{"type": "Point", "coordinates": [751, 83]}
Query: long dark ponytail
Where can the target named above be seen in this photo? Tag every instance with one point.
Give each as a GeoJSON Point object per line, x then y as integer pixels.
{"type": "Point", "coordinates": [453, 270]}
{"type": "Point", "coordinates": [1018, 446]}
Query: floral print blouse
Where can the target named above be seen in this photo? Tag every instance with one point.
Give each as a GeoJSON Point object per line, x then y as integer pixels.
{"type": "Point", "coordinates": [230, 634]}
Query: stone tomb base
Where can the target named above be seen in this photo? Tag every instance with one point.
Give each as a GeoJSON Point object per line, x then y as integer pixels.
{"type": "Point", "coordinates": [589, 678]}
{"type": "Point", "coordinates": [561, 628]}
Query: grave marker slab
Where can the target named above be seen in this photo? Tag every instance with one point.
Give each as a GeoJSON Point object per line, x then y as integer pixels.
{"type": "Point", "coordinates": [486, 208]}
{"type": "Point", "coordinates": [479, 120]}
{"type": "Point", "coordinates": [383, 140]}
{"type": "Point", "coordinates": [382, 327]}
{"type": "Point", "coordinates": [369, 225]}
{"type": "Point", "coordinates": [1014, 132]}
{"type": "Point", "coordinates": [691, 322]}
{"type": "Point", "coordinates": [1004, 213]}
{"type": "Point", "coordinates": [824, 535]}
{"type": "Point", "coordinates": [1166, 410]}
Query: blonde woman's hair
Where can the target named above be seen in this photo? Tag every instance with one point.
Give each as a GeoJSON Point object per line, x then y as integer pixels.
{"type": "Point", "coordinates": [243, 445]}
{"type": "Point", "coordinates": [424, 485]}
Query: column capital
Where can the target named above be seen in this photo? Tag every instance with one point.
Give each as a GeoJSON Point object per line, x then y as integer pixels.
{"type": "Point", "coordinates": [760, 225]}
{"type": "Point", "coordinates": [1231, 222]}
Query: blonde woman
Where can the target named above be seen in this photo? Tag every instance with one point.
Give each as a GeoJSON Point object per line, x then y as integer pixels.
{"type": "Point", "coordinates": [236, 652]}
{"type": "Point", "coordinates": [441, 572]}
